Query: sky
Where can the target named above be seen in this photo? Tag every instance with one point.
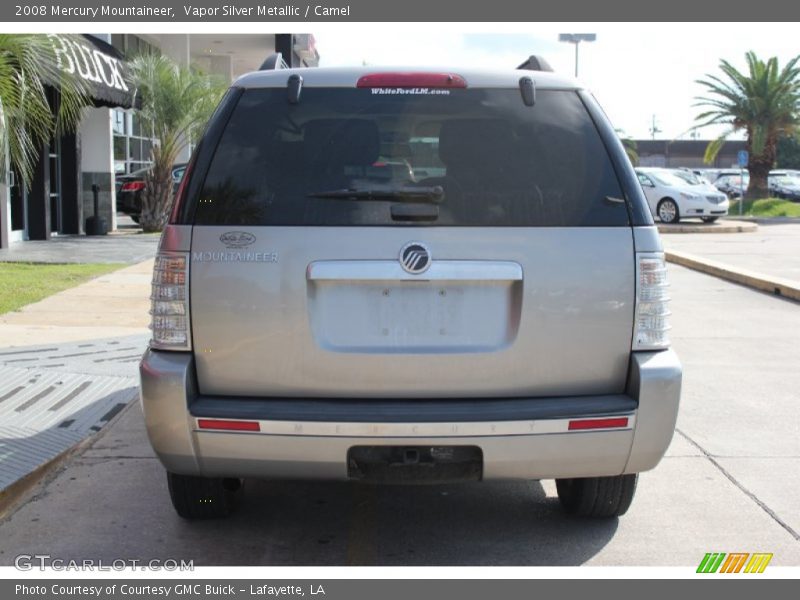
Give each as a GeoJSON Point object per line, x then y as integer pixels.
{"type": "Point", "coordinates": [637, 71]}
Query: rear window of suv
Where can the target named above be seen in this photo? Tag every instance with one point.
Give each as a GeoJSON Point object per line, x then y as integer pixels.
{"type": "Point", "coordinates": [349, 157]}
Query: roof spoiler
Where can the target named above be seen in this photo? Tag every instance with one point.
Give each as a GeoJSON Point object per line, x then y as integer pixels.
{"type": "Point", "coordinates": [273, 62]}
{"type": "Point", "coordinates": [535, 63]}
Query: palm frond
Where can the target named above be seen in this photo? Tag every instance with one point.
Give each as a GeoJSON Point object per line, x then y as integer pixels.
{"type": "Point", "coordinates": [177, 101]}
{"type": "Point", "coordinates": [713, 148]}
{"type": "Point", "coordinates": [28, 66]}
{"type": "Point", "coordinates": [763, 100]}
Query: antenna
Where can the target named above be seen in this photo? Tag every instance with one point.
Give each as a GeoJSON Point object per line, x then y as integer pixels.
{"type": "Point", "coordinates": [535, 63]}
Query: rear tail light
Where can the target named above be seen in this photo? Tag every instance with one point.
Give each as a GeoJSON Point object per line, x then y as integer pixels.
{"type": "Point", "coordinates": [170, 302]}
{"type": "Point", "coordinates": [651, 323]}
{"type": "Point", "coordinates": [180, 195]}
{"type": "Point", "coordinates": [132, 186]}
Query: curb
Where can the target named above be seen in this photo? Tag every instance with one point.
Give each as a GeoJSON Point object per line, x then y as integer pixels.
{"type": "Point", "coordinates": [777, 286]}
{"type": "Point", "coordinates": [724, 227]}
{"type": "Point", "coordinates": [22, 490]}
{"type": "Point", "coordinates": [769, 220]}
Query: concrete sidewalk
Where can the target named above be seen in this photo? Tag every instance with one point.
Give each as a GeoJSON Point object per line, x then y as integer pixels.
{"type": "Point", "coordinates": [773, 250]}
{"type": "Point", "coordinates": [127, 247]}
{"type": "Point", "coordinates": [112, 305]}
{"type": "Point", "coordinates": [68, 366]}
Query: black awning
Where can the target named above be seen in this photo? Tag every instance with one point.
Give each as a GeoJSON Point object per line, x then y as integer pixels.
{"type": "Point", "coordinates": [99, 64]}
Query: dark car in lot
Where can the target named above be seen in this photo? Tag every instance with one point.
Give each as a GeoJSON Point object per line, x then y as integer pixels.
{"type": "Point", "coordinates": [732, 185]}
{"type": "Point", "coordinates": [129, 189]}
{"type": "Point", "coordinates": [785, 184]}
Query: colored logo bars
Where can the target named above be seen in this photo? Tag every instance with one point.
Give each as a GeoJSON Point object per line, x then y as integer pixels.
{"type": "Point", "coordinates": [735, 562]}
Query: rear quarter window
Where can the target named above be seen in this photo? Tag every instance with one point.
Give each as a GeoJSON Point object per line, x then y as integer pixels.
{"type": "Point", "coordinates": [497, 161]}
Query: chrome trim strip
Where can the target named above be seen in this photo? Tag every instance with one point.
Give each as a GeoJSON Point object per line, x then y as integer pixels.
{"type": "Point", "coordinates": [411, 430]}
{"type": "Point", "coordinates": [441, 270]}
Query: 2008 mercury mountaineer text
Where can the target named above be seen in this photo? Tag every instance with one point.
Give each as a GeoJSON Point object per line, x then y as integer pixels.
{"type": "Point", "coordinates": [409, 275]}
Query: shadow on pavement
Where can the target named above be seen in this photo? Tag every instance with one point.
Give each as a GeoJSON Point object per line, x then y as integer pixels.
{"type": "Point", "coordinates": [111, 502]}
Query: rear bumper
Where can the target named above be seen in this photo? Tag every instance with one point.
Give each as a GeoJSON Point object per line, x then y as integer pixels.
{"type": "Point", "coordinates": [129, 202]}
{"type": "Point", "coordinates": [310, 439]}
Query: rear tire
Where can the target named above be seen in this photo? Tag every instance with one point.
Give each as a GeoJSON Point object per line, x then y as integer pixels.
{"type": "Point", "coordinates": [135, 218]}
{"type": "Point", "coordinates": [201, 497]}
{"type": "Point", "coordinates": [709, 219]}
{"type": "Point", "coordinates": [597, 497]}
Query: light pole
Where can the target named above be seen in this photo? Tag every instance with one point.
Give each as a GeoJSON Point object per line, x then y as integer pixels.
{"type": "Point", "coordinates": [576, 38]}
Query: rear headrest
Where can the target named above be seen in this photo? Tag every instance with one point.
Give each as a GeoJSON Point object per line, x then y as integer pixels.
{"type": "Point", "coordinates": [472, 141]}
{"type": "Point", "coordinates": [341, 142]}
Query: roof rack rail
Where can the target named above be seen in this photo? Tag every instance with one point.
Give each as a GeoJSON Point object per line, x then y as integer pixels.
{"type": "Point", "coordinates": [274, 61]}
{"type": "Point", "coordinates": [535, 63]}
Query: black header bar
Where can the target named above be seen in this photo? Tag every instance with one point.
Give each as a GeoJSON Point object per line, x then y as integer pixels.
{"type": "Point", "coordinates": [181, 11]}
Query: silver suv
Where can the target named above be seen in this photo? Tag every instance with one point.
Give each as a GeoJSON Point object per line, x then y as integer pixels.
{"type": "Point", "coordinates": [494, 309]}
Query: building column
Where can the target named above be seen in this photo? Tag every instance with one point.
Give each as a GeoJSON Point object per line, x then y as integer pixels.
{"type": "Point", "coordinates": [5, 203]}
{"type": "Point", "coordinates": [176, 47]}
{"type": "Point", "coordinates": [284, 43]}
{"type": "Point", "coordinates": [39, 198]}
{"type": "Point", "coordinates": [71, 193]}
{"type": "Point", "coordinates": [5, 217]}
{"type": "Point", "coordinates": [222, 66]}
{"type": "Point", "coordinates": [97, 163]}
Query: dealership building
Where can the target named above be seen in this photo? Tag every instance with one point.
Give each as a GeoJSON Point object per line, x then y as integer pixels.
{"type": "Point", "coordinates": [111, 140]}
{"type": "Point", "coordinates": [687, 153]}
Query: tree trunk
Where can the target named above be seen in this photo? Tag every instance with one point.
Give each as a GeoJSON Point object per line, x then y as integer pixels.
{"type": "Point", "coordinates": [759, 166]}
{"type": "Point", "coordinates": [157, 193]}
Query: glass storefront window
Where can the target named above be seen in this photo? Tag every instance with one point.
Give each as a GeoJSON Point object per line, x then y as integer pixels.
{"type": "Point", "coordinates": [120, 148]}
{"type": "Point", "coordinates": [136, 149]}
{"type": "Point", "coordinates": [132, 142]}
{"type": "Point", "coordinates": [118, 121]}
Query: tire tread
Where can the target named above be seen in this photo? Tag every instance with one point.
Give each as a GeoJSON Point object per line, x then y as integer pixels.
{"type": "Point", "coordinates": [597, 497]}
{"type": "Point", "coordinates": [199, 497]}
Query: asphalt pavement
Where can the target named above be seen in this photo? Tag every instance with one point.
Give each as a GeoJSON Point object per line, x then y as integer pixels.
{"type": "Point", "coordinates": [123, 247]}
{"type": "Point", "coordinates": [728, 484]}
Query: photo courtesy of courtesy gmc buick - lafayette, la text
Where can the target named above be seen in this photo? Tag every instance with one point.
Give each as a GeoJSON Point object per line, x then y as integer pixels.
{"type": "Point", "coordinates": [409, 276]}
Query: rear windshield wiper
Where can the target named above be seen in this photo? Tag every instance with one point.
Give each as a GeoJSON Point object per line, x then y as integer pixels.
{"type": "Point", "coordinates": [432, 194]}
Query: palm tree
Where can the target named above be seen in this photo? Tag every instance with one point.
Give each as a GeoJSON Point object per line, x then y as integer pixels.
{"type": "Point", "coordinates": [28, 65]}
{"type": "Point", "coordinates": [630, 145]}
{"type": "Point", "coordinates": [764, 103]}
{"type": "Point", "coordinates": [177, 101]}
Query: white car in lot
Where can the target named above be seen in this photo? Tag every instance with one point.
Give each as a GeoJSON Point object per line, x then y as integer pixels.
{"type": "Point", "coordinates": [672, 198]}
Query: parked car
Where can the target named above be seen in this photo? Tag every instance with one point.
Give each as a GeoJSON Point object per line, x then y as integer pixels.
{"type": "Point", "coordinates": [693, 178]}
{"type": "Point", "coordinates": [784, 184]}
{"type": "Point", "coordinates": [129, 189]}
{"type": "Point", "coordinates": [708, 174]}
{"type": "Point", "coordinates": [672, 197]}
{"type": "Point", "coordinates": [732, 185]}
{"type": "Point", "coordinates": [503, 319]}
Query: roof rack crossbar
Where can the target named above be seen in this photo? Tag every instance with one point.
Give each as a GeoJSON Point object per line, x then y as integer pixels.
{"type": "Point", "coordinates": [535, 63]}
{"type": "Point", "coordinates": [274, 61]}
